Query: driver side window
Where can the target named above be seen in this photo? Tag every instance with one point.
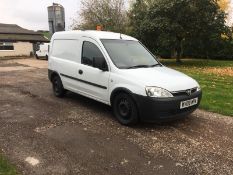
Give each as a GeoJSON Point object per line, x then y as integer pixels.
{"type": "Point", "coordinates": [89, 52]}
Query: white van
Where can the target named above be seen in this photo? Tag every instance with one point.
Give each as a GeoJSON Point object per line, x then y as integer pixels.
{"type": "Point", "coordinates": [119, 71]}
{"type": "Point", "coordinates": [42, 51]}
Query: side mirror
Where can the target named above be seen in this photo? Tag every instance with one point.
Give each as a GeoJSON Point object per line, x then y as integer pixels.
{"type": "Point", "coordinates": [100, 63]}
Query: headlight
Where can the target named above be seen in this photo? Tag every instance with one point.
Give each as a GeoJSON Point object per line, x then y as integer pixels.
{"type": "Point", "coordinates": [157, 92]}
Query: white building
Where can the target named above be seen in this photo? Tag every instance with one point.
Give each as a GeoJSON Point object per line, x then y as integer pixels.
{"type": "Point", "coordinates": [17, 41]}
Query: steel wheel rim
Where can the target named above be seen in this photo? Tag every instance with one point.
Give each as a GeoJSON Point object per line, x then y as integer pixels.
{"type": "Point", "coordinates": [124, 108]}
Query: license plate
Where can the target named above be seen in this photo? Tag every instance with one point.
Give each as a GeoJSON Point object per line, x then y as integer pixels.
{"type": "Point", "coordinates": [188, 103]}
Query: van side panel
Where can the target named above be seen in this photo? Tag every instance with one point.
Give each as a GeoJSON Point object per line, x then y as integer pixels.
{"type": "Point", "coordinates": [65, 58]}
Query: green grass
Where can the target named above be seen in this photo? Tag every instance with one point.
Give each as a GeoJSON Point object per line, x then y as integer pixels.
{"type": "Point", "coordinates": [197, 63]}
{"type": "Point", "coordinates": [6, 168]}
{"type": "Point", "coordinates": [217, 89]}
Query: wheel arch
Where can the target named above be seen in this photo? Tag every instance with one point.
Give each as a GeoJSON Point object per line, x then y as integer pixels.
{"type": "Point", "coordinates": [52, 74]}
{"type": "Point", "coordinates": [122, 90]}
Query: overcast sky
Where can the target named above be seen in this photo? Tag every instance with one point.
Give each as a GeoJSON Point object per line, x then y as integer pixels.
{"type": "Point", "coordinates": [32, 14]}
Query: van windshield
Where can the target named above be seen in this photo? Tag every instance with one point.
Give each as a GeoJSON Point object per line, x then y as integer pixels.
{"type": "Point", "coordinates": [129, 54]}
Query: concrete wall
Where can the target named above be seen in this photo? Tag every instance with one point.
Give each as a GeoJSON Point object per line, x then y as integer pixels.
{"type": "Point", "coordinates": [20, 49]}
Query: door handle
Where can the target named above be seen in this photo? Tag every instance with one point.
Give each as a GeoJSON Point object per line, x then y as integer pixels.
{"type": "Point", "coordinates": [80, 72]}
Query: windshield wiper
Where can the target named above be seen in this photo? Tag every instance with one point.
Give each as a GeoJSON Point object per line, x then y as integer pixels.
{"type": "Point", "coordinates": [137, 66]}
{"type": "Point", "coordinates": [143, 66]}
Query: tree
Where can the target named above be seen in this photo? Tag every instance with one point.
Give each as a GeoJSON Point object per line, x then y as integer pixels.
{"type": "Point", "coordinates": [111, 14]}
{"type": "Point", "coordinates": [169, 24]}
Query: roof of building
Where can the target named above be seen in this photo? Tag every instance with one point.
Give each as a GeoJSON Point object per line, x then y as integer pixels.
{"type": "Point", "coordinates": [93, 34]}
{"type": "Point", "coordinates": [13, 32]}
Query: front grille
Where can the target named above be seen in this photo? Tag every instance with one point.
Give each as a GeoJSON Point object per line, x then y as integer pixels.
{"type": "Point", "coordinates": [184, 92]}
{"type": "Point", "coordinates": [164, 114]}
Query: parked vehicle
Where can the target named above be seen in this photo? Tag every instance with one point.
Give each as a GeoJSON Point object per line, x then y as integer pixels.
{"type": "Point", "coordinates": [43, 51]}
{"type": "Point", "coordinates": [119, 71]}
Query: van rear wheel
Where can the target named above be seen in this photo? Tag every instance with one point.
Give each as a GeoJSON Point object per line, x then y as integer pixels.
{"type": "Point", "coordinates": [124, 109]}
{"type": "Point", "coordinates": [58, 89]}
{"type": "Point", "coordinates": [37, 57]}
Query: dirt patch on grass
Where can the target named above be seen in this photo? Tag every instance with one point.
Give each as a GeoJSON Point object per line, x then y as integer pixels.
{"type": "Point", "coordinates": [220, 71]}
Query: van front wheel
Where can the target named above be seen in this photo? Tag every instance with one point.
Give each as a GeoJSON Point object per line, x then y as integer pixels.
{"type": "Point", "coordinates": [58, 89]}
{"type": "Point", "coordinates": [124, 109]}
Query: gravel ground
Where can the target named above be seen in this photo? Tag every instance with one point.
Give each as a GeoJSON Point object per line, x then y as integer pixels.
{"type": "Point", "coordinates": [42, 134]}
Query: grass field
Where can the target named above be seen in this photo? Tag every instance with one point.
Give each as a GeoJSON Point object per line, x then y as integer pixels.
{"type": "Point", "coordinates": [215, 78]}
{"type": "Point", "coordinates": [6, 168]}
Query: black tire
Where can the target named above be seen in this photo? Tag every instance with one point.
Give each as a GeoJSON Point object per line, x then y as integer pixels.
{"type": "Point", "coordinates": [125, 109]}
{"type": "Point", "coordinates": [37, 57]}
{"type": "Point", "coordinates": [58, 88]}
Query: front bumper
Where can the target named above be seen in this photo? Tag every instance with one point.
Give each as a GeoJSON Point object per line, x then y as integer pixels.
{"type": "Point", "coordinates": [164, 109]}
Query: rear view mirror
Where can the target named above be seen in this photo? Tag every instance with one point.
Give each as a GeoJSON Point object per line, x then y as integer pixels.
{"type": "Point", "coordinates": [100, 63]}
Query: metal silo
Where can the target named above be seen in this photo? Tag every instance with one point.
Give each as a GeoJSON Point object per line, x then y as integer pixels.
{"type": "Point", "coordinates": [56, 16]}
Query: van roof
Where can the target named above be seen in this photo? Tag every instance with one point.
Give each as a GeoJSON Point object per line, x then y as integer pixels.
{"type": "Point", "coordinates": [91, 33]}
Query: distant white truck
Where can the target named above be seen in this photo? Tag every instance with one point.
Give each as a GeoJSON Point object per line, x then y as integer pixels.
{"type": "Point", "coordinates": [43, 51]}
